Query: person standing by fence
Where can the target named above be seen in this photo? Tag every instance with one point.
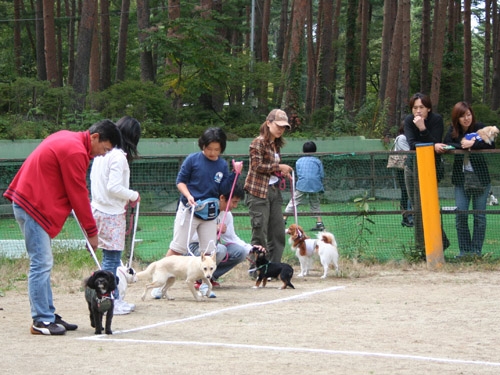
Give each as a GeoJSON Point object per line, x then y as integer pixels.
{"type": "Point", "coordinates": [462, 135]}
{"type": "Point", "coordinates": [401, 144]}
{"type": "Point", "coordinates": [310, 175]}
{"type": "Point", "coordinates": [422, 126]}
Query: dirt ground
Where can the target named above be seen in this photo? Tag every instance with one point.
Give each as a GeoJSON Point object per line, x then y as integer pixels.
{"type": "Point", "coordinates": [399, 320]}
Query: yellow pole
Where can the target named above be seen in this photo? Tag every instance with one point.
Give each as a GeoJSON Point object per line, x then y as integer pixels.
{"type": "Point", "coordinates": [429, 203]}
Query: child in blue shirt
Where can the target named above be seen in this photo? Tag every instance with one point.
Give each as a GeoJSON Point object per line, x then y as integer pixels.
{"type": "Point", "coordinates": [310, 175]}
{"type": "Point", "coordinates": [203, 175]}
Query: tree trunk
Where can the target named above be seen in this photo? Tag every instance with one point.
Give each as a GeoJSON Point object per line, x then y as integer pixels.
{"type": "Point", "coordinates": [437, 53]}
{"type": "Point", "coordinates": [94, 69]}
{"type": "Point", "coordinates": [281, 42]}
{"type": "Point", "coordinates": [293, 68]}
{"type": "Point", "coordinates": [425, 47]}
{"type": "Point", "coordinates": [325, 55]}
{"type": "Point", "coordinates": [147, 66]}
{"type": "Point", "coordinates": [121, 58]}
{"type": "Point", "coordinates": [335, 40]}
{"type": "Point", "coordinates": [390, 11]}
{"type": "Point", "coordinates": [391, 90]}
{"type": "Point", "coordinates": [71, 14]}
{"type": "Point", "coordinates": [40, 42]}
{"type": "Point", "coordinates": [351, 58]}
{"type": "Point", "coordinates": [487, 53]}
{"type": "Point", "coordinates": [364, 21]}
{"type": "Point", "coordinates": [85, 33]}
{"type": "Point", "coordinates": [404, 81]}
{"type": "Point", "coordinates": [264, 46]}
{"type": "Point", "coordinates": [60, 52]}
{"type": "Point", "coordinates": [467, 53]}
{"type": "Point", "coordinates": [50, 42]}
{"type": "Point", "coordinates": [311, 63]}
{"type": "Point", "coordinates": [495, 83]}
{"type": "Point", "coordinates": [105, 46]}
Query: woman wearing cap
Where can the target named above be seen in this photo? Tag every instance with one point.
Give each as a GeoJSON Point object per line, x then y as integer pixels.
{"type": "Point", "coordinates": [264, 198]}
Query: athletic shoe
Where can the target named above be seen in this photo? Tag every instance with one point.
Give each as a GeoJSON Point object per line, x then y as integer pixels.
{"type": "Point", "coordinates": [197, 284]}
{"type": "Point", "coordinates": [67, 326]}
{"type": "Point", "coordinates": [131, 306]}
{"type": "Point", "coordinates": [204, 290]}
{"type": "Point", "coordinates": [121, 307]}
{"type": "Point", "coordinates": [215, 284]}
{"type": "Point", "coordinates": [47, 328]}
{"type": "Point", "coordinates": [319, 227]}
{"type": "Point", "coordinates": [156, 293]}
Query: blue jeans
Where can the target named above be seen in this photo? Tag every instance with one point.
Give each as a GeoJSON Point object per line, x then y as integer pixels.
{"type": "Point", "coordinates": [227, 257]}
{"type": "Point", "coordinates": [38, 246]}
{"type": "Point", "coordinates": [111, 260]}
{"type": "Point", "coordinates": [468, 244]}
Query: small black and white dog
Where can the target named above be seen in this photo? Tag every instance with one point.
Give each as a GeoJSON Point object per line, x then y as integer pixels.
{"type": "Point", "coordinates": [266, 269]}
{"type": "Point", "coordinates": [98, 293]}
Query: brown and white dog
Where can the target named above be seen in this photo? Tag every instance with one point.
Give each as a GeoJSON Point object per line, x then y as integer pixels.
{"type": "Point", "coordinates": [488, 134]}
{"type": "Point", "coordinates": [304, 246]}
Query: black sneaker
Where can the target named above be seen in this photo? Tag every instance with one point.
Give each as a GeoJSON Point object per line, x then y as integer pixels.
{"type": "Point", "coordinates": [47, 328]}
{"type": "Point", "coordinates": [65, 325]}
{"type": "Point", "coordinates": [320, 227]}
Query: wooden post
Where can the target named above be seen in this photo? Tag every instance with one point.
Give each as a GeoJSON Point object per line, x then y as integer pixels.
{"type": "Point", "coordinates": [429, 202]}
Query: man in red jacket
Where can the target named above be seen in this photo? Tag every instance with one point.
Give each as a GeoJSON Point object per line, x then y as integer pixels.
{"type": "Point", "coordinates": [50, 183]}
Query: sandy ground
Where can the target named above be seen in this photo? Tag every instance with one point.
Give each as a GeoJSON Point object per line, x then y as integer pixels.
{"type": "Point", "coordinates": [382, 321]}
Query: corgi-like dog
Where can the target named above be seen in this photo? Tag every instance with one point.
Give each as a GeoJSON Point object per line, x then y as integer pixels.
{"type": "Point", "coordinates": [163, 273]}
{"type": "Point", "coordinates": [305, 247]}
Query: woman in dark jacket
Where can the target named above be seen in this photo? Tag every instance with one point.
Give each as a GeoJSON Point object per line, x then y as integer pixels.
{"type": "Point", "coordinates": [464, 126]}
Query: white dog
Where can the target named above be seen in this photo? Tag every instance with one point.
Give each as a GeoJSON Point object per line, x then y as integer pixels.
{"type": "Point", "coordinates": [190, 268]}
{"type": "Point", "coordinates": [325, 246]}
{"type": "Point", "coordinates": [125, 276]}
{"type": "Point", "coordinates": [491, 200]}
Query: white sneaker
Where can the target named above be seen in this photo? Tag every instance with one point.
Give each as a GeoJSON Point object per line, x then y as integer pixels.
{"type": "Point", "coordinates": [130, 306]}
{"type": "Point", "coordinates": [121, 308]}
{"type": "Point", "coordinates": [156, 293]}
{"type": "Point", "coordinates": [204, 290]}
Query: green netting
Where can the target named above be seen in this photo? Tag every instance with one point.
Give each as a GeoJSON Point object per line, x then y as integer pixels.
{"type": "Point", "coordinates": [376, 234]}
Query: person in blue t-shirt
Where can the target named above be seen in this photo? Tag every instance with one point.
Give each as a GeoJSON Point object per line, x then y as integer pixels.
{"type": "Point", "coordinates": [203, 175]}
{"type": "Point", "coordinates": [310, 175]}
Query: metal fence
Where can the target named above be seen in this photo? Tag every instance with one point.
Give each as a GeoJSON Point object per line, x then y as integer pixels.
{"type": "Point", "coordinates": [360, 206]}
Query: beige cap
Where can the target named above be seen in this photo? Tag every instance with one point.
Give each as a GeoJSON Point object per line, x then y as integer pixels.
{"type": "Point", "coordinates": [279, 117]}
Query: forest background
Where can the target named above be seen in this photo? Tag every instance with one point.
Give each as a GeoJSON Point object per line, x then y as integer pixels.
{"type": "Point", "coordinates": [337, 67]}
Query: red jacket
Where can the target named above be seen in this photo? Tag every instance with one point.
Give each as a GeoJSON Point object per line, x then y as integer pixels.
{"type": "Point", "coordinates": [53, 180]}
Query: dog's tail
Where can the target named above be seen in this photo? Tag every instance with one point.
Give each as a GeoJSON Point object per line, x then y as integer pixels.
{"type": "Point", "coordinates": [147, 273]}
{"type": "Point", "coordinates": [327, 237]}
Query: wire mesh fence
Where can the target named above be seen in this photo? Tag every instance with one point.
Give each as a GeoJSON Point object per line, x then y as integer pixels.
{"type": "Point", "coordinates": [361, 206]}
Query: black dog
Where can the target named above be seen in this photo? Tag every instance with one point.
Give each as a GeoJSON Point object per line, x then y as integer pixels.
{"type": "Point", "coordinates": [98, 289]}
{"type": "Point", "coordinates": [266, 269]}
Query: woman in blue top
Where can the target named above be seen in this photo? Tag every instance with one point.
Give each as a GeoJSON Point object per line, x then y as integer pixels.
{"type": "Point", "coordinates": [203, 175]}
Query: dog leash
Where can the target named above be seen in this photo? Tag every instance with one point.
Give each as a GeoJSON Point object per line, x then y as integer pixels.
{"type": "Point", "coordinates": [292, 188]}
{"type": "Point", "coordinates": [89, 246]}
{"type": "Point", "coordinates": [229, 200]}
{"type": "Point", "coordinates": [132, 243]}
